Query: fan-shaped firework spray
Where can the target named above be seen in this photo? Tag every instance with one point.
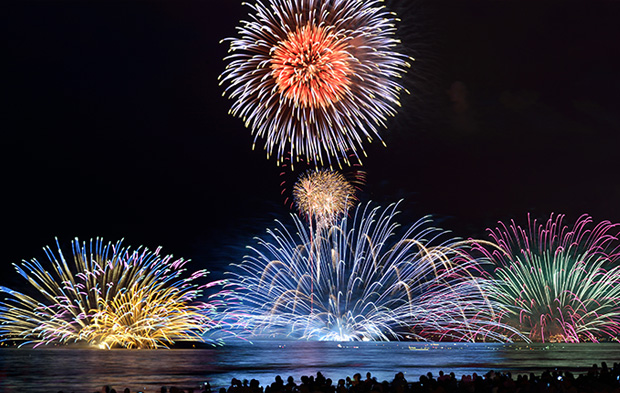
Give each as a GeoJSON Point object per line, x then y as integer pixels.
{"type": "Point", "coordinates": [356, 280]}
{"type": "Point", "coordinates": [558, 283]}
{"type": "Point", "coordinates": [109, 296]}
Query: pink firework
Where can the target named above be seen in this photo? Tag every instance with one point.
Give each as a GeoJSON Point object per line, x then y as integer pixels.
{"type": "Point", "coordinates": [558, 283]}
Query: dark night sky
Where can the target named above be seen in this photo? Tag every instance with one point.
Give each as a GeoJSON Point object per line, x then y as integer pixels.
{"type": "Point", "coordinates": [114, 124]}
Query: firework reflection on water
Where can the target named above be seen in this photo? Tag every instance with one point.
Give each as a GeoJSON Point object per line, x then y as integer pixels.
{"type": "Point", "coordinates": [44, 370]}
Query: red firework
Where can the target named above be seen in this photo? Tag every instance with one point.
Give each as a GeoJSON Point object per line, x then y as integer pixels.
{"type": "Point", "coordinates": [311, 67]}
{"type": "Point", "coordinates": [315, 78]}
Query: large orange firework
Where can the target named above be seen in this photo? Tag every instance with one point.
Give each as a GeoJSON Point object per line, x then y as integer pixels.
{"type": "Point", "coordinates": [311, 68]}
{"type": "Point", "coordinates": [315, 78]}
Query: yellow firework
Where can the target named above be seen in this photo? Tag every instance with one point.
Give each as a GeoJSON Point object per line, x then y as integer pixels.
{"type": "Point", "coordinates": [323, 195]}
{"type": "Point", "coordinates": [111, 296]}
{"type": "Point", "coordinates": [146, 318]}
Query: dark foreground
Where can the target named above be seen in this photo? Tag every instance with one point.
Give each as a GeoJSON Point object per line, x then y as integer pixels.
{"type": "Point", "coordinates": [597, 379]}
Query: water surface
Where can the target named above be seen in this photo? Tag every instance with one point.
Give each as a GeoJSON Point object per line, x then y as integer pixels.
{"type": "Point", "coordinates": [88, 370]}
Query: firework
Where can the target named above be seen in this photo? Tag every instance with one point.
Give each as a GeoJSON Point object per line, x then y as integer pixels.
{"type": "Point", "coordinates": [111, 296]}
{"type": "Point", "coordinates": [558, 283]}
{"type": "Point", "coordinates": [323, 195]}
{"type": "Point", "coordinates": [315, 78]}
{"type": "Point", "coordinates": [355, 281]}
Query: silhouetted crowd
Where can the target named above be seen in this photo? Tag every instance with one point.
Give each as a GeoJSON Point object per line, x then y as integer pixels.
{"type": "Point", "coordinates": [597, 379]}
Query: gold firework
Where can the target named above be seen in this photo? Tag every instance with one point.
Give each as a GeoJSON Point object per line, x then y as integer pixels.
{"type": "Point", "coordinates": [111, 297]}
{"type": "Point", "coordinates": [145, 318]}
{"type": "Point", "coordinates": [323, 195]}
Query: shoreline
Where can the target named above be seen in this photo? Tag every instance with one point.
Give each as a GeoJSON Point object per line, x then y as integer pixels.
{"type": "Point", "coordinates": [595, 379]}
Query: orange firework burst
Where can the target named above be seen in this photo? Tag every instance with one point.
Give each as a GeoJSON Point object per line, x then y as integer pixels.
{"type": "Point", "coordinates": [315, 78]}
{"type": "Point", "coordinates": [323, 195]}
{"type": "Point", "coordinates": [311, 67]}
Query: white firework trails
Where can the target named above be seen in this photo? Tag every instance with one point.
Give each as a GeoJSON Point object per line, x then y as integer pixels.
{"type": "Point", "coordinates": [315, 78]}
{"type": "Point", "coordinates": [356, 280]}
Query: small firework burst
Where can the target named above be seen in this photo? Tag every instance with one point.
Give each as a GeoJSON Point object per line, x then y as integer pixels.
{"type": "Point", "coordinates": [323, 195]}
{"type": "Point", "coordinates": [315, 78]}
{"type": "Point", "coordinates": [111, 296]}
{"type": "Point", "coordinates": [354, 281]}
{"type": "Point", "coordinates": [558, 283]}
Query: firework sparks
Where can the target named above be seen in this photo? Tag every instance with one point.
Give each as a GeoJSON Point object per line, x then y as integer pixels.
{"type": "Point", "coordinates": [315, 78]}
{"type": "Point", "coordinates": [323, 195]}
{"type": "Point", "coordinates": [110, 296]}
{"type": "Point", "coordinates": [558, 283]}
{"type": "Point", "coordinates": [365, 285]}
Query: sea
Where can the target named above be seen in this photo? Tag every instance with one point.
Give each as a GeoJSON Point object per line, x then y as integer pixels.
{"type": "Point", "coordinates": [90, 370]}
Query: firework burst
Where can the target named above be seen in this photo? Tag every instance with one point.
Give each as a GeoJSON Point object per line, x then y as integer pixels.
{"type": "Point", "coordinates": [355, 281]}
{"type": "Point", "coordinates": [323, 195]}
{"type": "Point", "coordinates": [111, 296]}
{"type": "Point", "coordinates": [315, 78]}
{"type": "Point", "coordinates": [558, 283]}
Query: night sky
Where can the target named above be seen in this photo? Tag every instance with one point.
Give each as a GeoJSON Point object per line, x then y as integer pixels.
{"type": "Point", "coordinates": [114, 124]}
